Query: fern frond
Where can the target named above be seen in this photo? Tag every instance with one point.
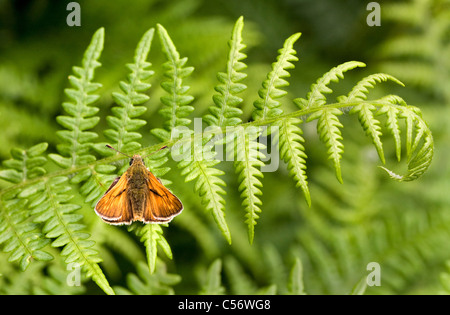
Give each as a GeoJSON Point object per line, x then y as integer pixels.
{"type": "Point", "coordinates": [240, 282]}
{"type": "Point", "coordinates": [360, 287]}
{"type": "Point", "coordinates": [392, 123]}
{"type": "Point", "coordinates": [370, 125]}
{"type": "Point", "coordinates": [51, 206]}
{"type": "Point", "coordinates": [293, 153]}
{"type": "Point", "coordinates": [316, 97]}
{"type": "Point", "coordinates": [247, 163]}
{"type": "Point", "coordinates": [152, 236]}
{"type": "Point", "coordinates": [366, 112]}
{"type": "Point", "coordinates": [176, 104]}
{"type": "Point", "coordinates": [76, 140]}
{"type": "Point", "coordinates": [393, 106]}
{"type": "Point", "coordinates": [38, 201]}
{"type": "Point", "coordinates": [49, 196]}
{"type": "Point", "coordinates": [419, 157]}
{"type": "Point", "coordinates": [55, 282]}
{"type": "Point", "coordinates": [361, 89]}
{"type": "Point", "coordinates": [20, 236]}
{"type": "Point", "coordinates": [225, 112]}
{"type": "Point", "coordinates": [328, 129]}
{"type": "Point", "coordinates": [419, 53]}
{"type": "Point", "coordinates": [212, 284]}
{"type": "Point", "coordinates": [25, 164]}
{"type": "Point", "coordinates": [199, 163]}
{"type": "Point", "coordinates": [267, 105]}
{"type": "Point", "coordinates": [249, 155]}
{"type": "Point", "coordinates": [396, 109]}
{"type": "Point", "coordinates": [124, 123]}
{"type": "Point", "coordinates": [144, 283]}
{"type": "Point", "coordinates": [295, 284]}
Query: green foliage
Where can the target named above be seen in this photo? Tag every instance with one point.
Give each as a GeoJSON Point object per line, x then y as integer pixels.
{"type": "Point", "coordinates": [25, 164]}
{"type": "Point", "coordinates": [316, 97]}
{"type": "Point", "coordinates": [176, 104]}
{"type": "Point", "coordinates": [45, 206]}
{"type": "Point", "coordinates": [76, 140]}
{"type": "Point", "coordinates": [295, 285]}
{"type": "Point", "coordinates": [414, 54]}
{"type": "Point", "coordinates": [146, 283]}
{"type": "Point", "coordinates": [293, 152]}
{"type": "Point", "coordinates": [328, 124]}
{"type": "Point", "coordinates": [208, 183]}
{"type": "Point", "coordinates": [123, 136]}
{"type": "Point", "coordinates": [21, 237]}
{"type": "Point", "coordinates": [225, 112]}
{"type": "Point", "coordinates": [267, 105]}
{"type": "Point", "coordinates": [213, 283]}
{"type": "Point", "coordinates": [51, 206]}
{"type": "Point", "coordinates": [152, 236]}
{"type": "Point", "coordinates": [247, 163]}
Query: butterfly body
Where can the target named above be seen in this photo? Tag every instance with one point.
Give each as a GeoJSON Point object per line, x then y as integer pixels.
{"type": "Point", "coordinates": [138, 195]}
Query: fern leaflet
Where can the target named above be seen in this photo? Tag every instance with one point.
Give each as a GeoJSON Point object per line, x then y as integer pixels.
{"type": "Point", "coordinates": [328, 129]}
{"type": "Point", "coordinates": [52, 207]}
{"type": "Point", "coordinates": [151, 236]}
{"type": "Point", "coordinates": [76, 140]}
{"type": "Point", "coordinates": [21, 237]}
{"type": "Point", "coordinates": [316, 97]}
{"type": "Point", "coordinates": [201, 166]}
{"type": "Point", "coordinates": [144, 283]}
{"type": "Point", "coordinates": [267, 105]}
{"type": "Point", "coordinates": [371, 126]}
{"type": "Point", "coordinates": [247, 163]}
{"type": "Point", "coordinates": [124, 123]}
{"type": "Point", "coordinates": [176, 104]}
{"type": "Point", "coordinates": [212, 283]}
{"type": "Point", "coordinates": [293, 152]}
{"type": "Point", "coordinates": [226, 112]}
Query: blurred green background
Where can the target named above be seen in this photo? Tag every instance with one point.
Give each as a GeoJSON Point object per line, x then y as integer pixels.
{"type": "Point", "coordinates": [405, 227]}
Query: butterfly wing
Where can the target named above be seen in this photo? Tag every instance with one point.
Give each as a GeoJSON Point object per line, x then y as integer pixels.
{"type": "Point", "coordinates": [114, 207]}
{"type": "Point", "coordinates": [161, 205]}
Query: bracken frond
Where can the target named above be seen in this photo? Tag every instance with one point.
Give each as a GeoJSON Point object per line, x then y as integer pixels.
{"type": "Point", "coordinates": [316, 97]}
{"type": "Point", "coordinates": [267, 104]}
{"type": "Point", "coordinates": [226, 111]}
{"type": "Point", "coordinates": [76, 140]}
{"type": "Point", "coordinates": [293, 153]}
{"type": "Point", "coordinates": [42, 207]}
{"type": "Point", "coordinates": [247, 157]}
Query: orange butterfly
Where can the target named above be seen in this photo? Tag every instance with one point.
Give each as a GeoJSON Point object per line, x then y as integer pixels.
{"type": "Point", "coordinates": [137, 195]}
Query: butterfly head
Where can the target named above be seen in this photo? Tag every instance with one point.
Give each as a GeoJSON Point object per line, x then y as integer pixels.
{"type": "Point", "coordinates": [136, 159]}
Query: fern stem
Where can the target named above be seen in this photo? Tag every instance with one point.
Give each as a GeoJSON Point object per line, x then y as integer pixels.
{"type": "Point", "coordinates": [215, 200]}
{"type": "Point", "coordinates": [171, 142]}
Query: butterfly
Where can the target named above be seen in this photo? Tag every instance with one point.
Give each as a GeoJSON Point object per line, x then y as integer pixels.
{"type": "Point", "coordinates": [137, 195]}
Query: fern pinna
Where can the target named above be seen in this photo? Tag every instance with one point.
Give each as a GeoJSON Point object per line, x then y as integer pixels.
{"type": "Point", "coordinates": [41, 207]}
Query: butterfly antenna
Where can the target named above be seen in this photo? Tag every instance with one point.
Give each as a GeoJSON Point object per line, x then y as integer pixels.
{"type": "Point", "coordinates": [108, 146]}
{"type": "Point", "coordinates": [164, 147]}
